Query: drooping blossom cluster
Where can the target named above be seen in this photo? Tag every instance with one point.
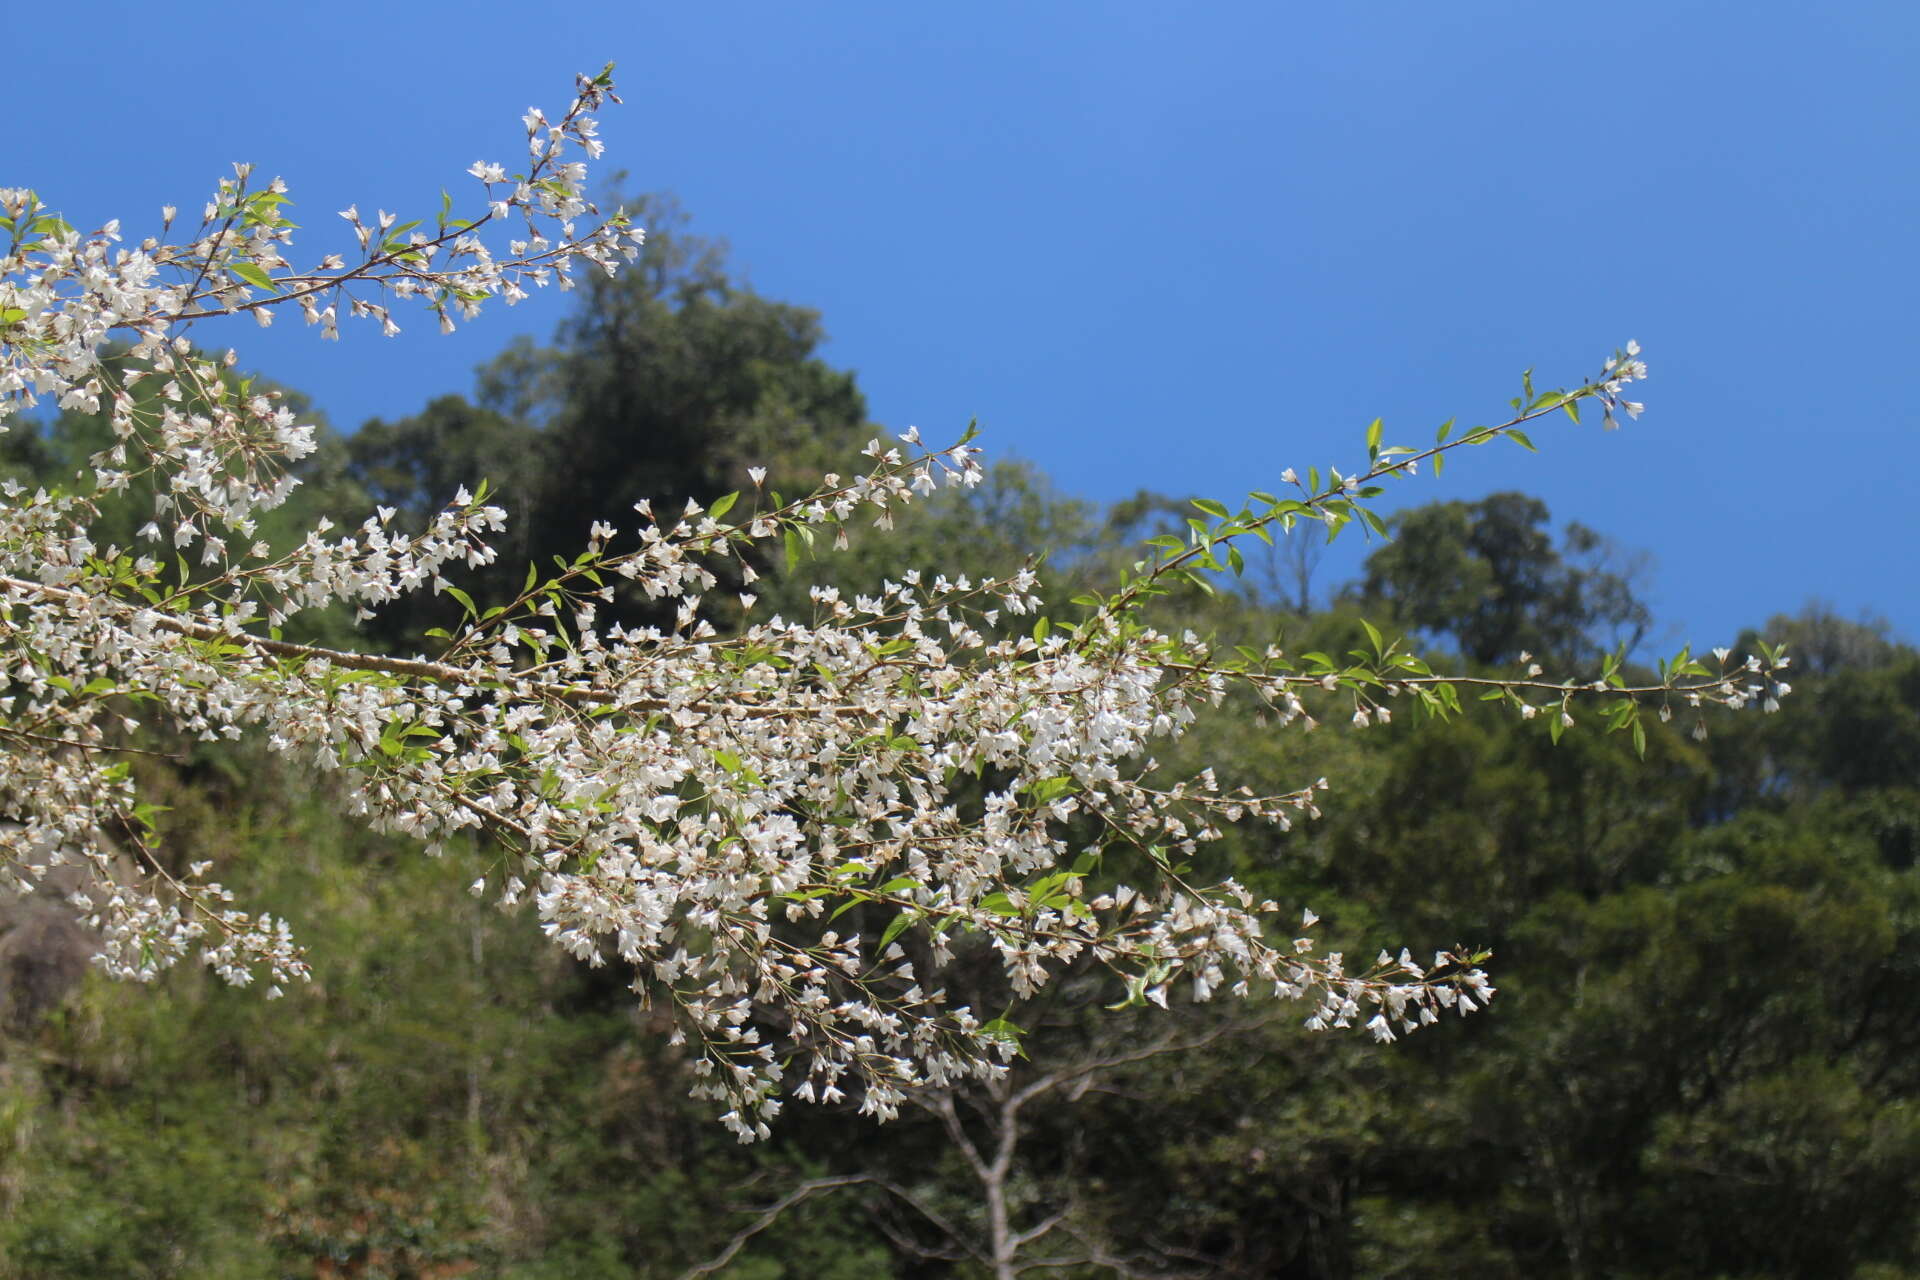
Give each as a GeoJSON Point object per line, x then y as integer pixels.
{"type": "Point", "coordinates": [702, 808]}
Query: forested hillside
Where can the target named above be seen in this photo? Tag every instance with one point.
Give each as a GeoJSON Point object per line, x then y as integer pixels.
{"type": "Point", "coordinates": [1704, 1060]}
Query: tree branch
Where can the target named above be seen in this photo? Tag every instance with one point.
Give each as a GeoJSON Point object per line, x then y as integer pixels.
{"type": "Point", "coordinates": [768, 1217]}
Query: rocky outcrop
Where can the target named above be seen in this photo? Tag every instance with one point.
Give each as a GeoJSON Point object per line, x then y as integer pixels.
{"type": "Point", "coordinates": [44, 950]}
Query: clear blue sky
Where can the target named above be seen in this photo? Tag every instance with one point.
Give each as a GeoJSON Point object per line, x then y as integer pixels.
{"type": "Point", "coordinates": [1181, 246]}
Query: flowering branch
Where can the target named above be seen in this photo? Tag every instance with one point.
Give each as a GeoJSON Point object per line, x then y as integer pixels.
{"type": "Point", "coordinates": [697, 806]}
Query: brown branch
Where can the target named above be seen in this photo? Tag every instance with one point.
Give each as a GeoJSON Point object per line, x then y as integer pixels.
{"type": "Point", "coordinates": [9, 732]}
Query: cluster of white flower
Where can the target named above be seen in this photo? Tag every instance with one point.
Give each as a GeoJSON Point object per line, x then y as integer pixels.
{"type": "Point", "coordinates": [700, 807]}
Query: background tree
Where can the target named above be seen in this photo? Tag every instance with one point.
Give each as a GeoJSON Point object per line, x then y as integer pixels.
{"type": "Point", "coordinates": [1487, 576]}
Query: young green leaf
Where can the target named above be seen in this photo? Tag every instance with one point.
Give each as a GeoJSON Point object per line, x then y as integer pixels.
{"type": "Point", "coordinates": [250, 273]}
{"type": "Point", "coordinates": [897, 926]}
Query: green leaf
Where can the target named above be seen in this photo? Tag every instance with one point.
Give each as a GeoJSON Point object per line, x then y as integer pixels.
{"type": "Point", "coordinates": [1639, 738]}
{"type": "Point", "coordinates": [1001, 1029]}
{"type": "Point", "coordinates": [1373, 634]}
{"type": "Point", "coordinates": [723, 504]}
{"type": "Point", "coordinates": [1373, 438]}
{"type": "Point", "coordinates": [1212, 508]}
{"type": "Point", "coordinates": [1043, 891]}
{"type": "Point", "coordinates": [250, 273]}
{"type": "Point", "coordinates": [1047, 790]}
{"type": "Point", "coordinates": [1520, 438]}
{"type": "Point", "coordinates": [1446, 428]}
{"type": "Point", "coordinates": [792, 541]}
{"type": "Point", "coordinates": [897, 926]}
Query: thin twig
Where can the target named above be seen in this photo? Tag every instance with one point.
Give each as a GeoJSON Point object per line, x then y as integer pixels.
{"type": "Point", "coordinates": [768, 1217]}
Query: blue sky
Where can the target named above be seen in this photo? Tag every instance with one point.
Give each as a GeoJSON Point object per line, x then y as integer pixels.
{"type": "Point", "coordinates": [1174, 246]}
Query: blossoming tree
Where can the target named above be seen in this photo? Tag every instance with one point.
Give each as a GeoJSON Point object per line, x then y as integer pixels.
{"type": "Point", "coordinates": [699, 806]}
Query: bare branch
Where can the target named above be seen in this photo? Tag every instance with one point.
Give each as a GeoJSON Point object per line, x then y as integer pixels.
{"type": "Point", "coordinates": [1091, 1066]}
{"type": "Point", "coordinates": [1035, 1232]}
{"type": "Point", "coordinates": [942, 1105]}
{"type": "Point", "coordinates": [962, 1246]}
{"type": "Point", "coordinates": [768, 1217]}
